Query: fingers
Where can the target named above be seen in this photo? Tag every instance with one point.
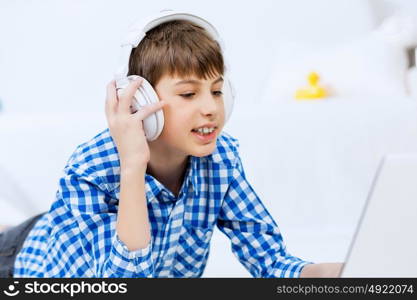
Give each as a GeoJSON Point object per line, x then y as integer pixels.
{"type": "Point", "coordinates": [126, 99]}
{"type": "Point", "coordinates": [111, 98]}
{"type": "Point", "coordinates": [121, 103]}
{"type": "Point", "coordinates": [147, 110]}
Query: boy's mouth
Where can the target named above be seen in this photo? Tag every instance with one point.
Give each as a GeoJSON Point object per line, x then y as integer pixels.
{"type": "Point", "coordinates": [205, 133]}
{"type": "Point", "coordinates": [204, 130]}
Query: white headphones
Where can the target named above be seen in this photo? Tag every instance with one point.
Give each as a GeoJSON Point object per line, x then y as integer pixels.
{"type": "Point", "coordinates": [146, 95]}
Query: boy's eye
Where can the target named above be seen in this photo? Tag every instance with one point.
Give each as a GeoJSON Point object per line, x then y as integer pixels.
{"type": "Point", "coordinates": [187, 95]}
{"type": "Point", "coordinates": [190, 95]}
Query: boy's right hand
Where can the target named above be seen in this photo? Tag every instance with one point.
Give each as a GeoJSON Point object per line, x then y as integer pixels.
{"type": "Point", "coordinates": [126, 128]}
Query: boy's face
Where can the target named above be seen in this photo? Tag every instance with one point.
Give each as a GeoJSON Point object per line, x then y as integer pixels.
{"type": "Point", "coordinates": [191, 104]}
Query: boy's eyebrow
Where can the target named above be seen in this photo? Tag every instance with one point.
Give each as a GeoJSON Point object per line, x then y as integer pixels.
{"type": "Point", "coordinates": [192, 81]}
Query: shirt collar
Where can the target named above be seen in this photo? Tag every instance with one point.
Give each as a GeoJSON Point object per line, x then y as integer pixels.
{"type": "Point", "coordinates": [225, 151]}
{"type": "Point", "coordinates": [194, 174]}
{"type": "Point", "coordinates": [153, 187]}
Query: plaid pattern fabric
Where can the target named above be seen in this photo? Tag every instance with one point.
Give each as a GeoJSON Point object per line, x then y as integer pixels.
{"type": "Point", "coordinates": [77, 237]}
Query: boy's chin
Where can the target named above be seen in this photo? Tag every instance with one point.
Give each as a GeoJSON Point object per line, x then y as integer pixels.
{"type": "Point", "coordinates": [203, 150]}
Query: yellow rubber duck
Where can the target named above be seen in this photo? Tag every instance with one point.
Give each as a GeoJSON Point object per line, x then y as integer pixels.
{"type": "Point", "coordinates": [313, 90]}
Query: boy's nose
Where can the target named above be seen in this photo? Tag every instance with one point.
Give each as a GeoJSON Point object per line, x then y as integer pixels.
{"type": "Point", "coordinates": [209, 105]}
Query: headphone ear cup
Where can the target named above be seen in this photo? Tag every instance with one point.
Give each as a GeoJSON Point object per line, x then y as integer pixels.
{"type": "Point", "coordinates": [228, 98]}
{"type": "Point", "coordinates": [154, 123]}
{"type": "Point", "coordinates": [144, 96]}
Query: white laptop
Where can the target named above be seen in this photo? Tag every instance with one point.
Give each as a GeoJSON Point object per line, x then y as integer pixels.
{"type": "Point", "coordinates": [385, 242]}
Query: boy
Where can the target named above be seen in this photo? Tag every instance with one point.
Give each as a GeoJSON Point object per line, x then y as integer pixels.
{"type": "Point", "coordinates": [127, 207]}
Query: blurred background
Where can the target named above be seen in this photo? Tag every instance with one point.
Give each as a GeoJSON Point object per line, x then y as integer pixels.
{"type": "Point", "coordinates": [311, 161]}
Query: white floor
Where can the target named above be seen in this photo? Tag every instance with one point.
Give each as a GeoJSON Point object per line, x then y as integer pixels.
{"type": "Point", "coordinates": [10, 215]}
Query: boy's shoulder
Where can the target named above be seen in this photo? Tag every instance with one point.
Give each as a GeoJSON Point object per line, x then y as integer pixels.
{"type": "Point", "coordinates": [91, 152]}
{"type": "Point", "coordinates": [95, 160]}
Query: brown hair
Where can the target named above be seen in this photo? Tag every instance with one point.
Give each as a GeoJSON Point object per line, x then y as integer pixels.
{"type": "Point", "coordinates": [177, 48]}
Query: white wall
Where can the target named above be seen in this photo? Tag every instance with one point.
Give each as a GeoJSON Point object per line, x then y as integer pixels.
{"type": "Point", "coordinates": [57, 55]}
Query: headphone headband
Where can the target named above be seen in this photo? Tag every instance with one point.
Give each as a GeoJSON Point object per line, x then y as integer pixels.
{"type": "Point", "coordinates": [138, 30]}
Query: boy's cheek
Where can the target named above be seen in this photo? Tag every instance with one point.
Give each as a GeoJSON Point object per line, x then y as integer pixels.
{"type": "Point", "coordinates": [220, 128]}
{"type": "Point", "coordinates": [172, 132]}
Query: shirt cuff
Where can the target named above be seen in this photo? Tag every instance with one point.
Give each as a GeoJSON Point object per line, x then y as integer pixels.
{"type": "Point", "coordinates": [293, 267]}
{"type": "Point", "coordinates": [125, 263]}
{"type": "Point", "coordinates": [122, 249]}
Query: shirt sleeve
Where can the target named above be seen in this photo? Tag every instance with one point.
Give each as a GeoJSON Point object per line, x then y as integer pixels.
{"type": "Point", "coordinates": [99, 245]}
{"type": "Point", "coordinates": [254, 235]}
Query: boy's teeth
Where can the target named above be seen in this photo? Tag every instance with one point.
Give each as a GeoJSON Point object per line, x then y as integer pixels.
{"type": "Point", "coordinates": [204, 130]}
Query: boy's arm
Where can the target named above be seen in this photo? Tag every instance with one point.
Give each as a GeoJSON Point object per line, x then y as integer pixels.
{"type": "Point", "coordinates": [133, 226]}
{"type": "Point", "coordinates": [255, 237]}
{"type": "Point", "coordinates": [128, 134]}
{"type": "Point", "coordinates": [111, 237]}
{"type": "Point", "coordinates": [322, 270]}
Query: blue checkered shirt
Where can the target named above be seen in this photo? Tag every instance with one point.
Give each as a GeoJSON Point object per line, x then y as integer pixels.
{"type": "Point", "coordinates": [77, 236]}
